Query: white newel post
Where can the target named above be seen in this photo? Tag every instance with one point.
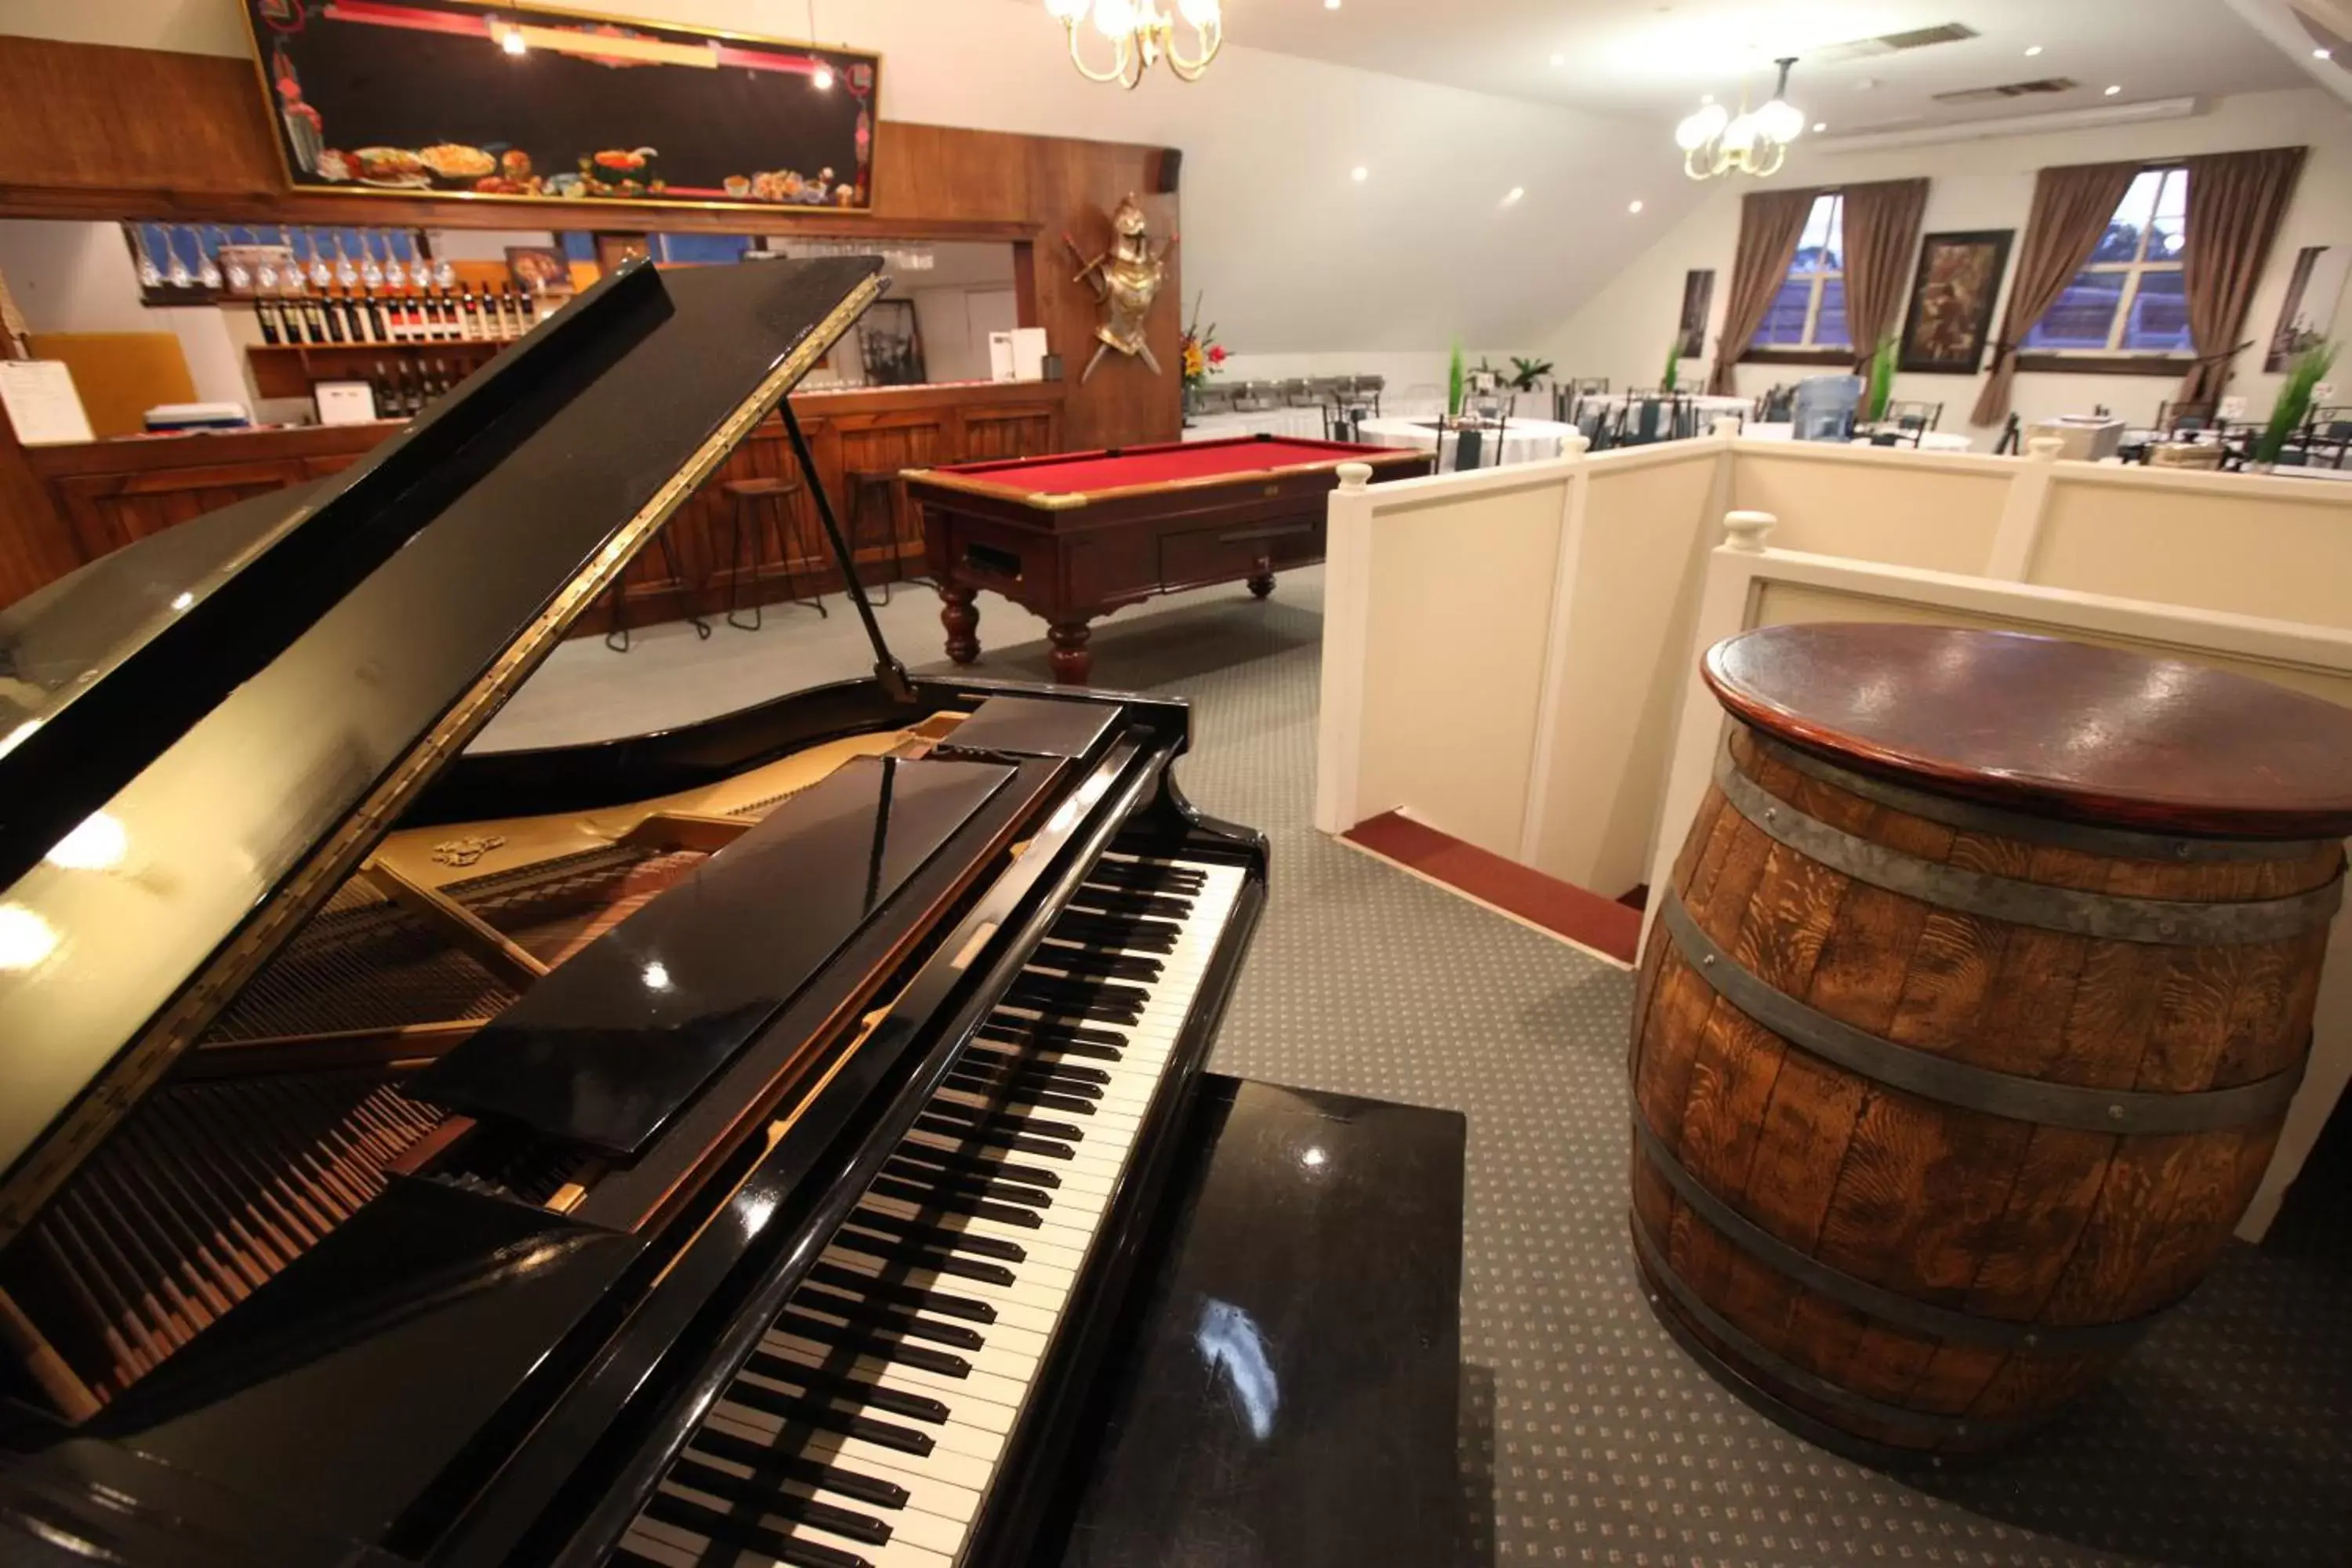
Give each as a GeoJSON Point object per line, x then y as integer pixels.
{"type": "Point", "coordinates": [1573, 504]}
{"type": "Point", "coordinates": [1347, 608]}
{"type": "Point", "coordinates": [2014, 541]}
{"type": "Point", "coordinates": [1723, 611]}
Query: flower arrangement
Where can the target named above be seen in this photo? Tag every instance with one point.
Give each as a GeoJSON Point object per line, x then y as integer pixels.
{"type": "Point", "coordinates": [1203, 355]}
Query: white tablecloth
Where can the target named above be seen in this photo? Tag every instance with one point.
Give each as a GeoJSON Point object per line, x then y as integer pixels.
{"type": "Point", "coordinates": [1306, 424]}
{"type": "Point", "coordinates": [1933, 441]}
{"type": "Point", "coordinates": [1524, 440]}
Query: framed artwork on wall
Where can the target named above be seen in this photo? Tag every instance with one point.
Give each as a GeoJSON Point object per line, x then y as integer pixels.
{"type": "Point", "coordinates": [1951, 321]}
{"type": "Point", "coordinates": [1698, 300]}
{"type": "Point", "coordinates": [2308, 312]}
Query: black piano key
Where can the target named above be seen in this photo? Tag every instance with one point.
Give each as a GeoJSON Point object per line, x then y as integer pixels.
{"type": "Point", "coordinates": [792, 1466]}
{"type": "Point", "coordinates": [628, 1558]}
{"type": "Point", "coordinates": [1026, 1088]}
{"type": "Point", "coordinates": [1145, 906]}
{"type": "Point", "coordinates": [1144, 875]}
{"type": "Point", "coordinates": [1090, 995]}
{"type": "Point", "coordinates": [688, 1514]}
{"type": "Point", "coordinates": [1068, 1077]}
{"type": "Point", "coordinates": [906, 1255]}
{"type": "Point", "coordinates": [918, 1185]}
{"type": "Point", "coordinates": [1008, 1140]}
{"type": "Point", "coordinates": [917, 1153]}
{"type": "Point", "coordinates": [882, 1347]}
{"type": "Point", "coordinates": [1064, 958]}
{"type": "Point", "coordinates": [816, 1410]}
{"type": "Point", "coordinates": [848, 1390]}
{"type": "Point", "coordinates": [945, 1303]}
{"type": "Point", "coordinates": [1101, 932]}
{"type": "Point", "coordinates": [930, 1234]}
{"type": "Point", "coordinates": [964, 1119]}
{"type": "Point", "coordinates": [1070, 1039]}
{"type": "Point", "coordinates": [749, 1490]}
{"type": "Point", "coordinates": [903, 1324]}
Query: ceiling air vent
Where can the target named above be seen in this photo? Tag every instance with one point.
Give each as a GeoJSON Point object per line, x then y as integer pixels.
{"type": "Point", "coordinates": [1891, 43]}
{"type": "Point", "coordinates": [2009, 89]}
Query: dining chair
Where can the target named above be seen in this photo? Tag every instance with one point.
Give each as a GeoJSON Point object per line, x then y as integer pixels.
{"type": "Point", "coordinates": [1910, 417]}
{"type": "Point", "coordinates": [2177, 419]}
{"type": "Point", "coordinates": [2328, 434]}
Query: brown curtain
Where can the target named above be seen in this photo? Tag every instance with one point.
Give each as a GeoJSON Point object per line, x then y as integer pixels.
{"type": "Point", "coordinates": [1882, 235]}
{"type": "Point", "coordinates": [2236, 202]}
{"type": "Point", "coordinates": [1770, 224]}
{"type": "Point", "coordinates": [2071, 210]}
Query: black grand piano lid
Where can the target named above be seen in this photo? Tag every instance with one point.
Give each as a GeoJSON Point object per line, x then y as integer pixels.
{"type": "Point", "coordinates": [201, 735]}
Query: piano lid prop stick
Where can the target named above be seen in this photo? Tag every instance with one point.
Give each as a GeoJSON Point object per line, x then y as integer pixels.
{"type": "Point", "coordinates": [887, 668]}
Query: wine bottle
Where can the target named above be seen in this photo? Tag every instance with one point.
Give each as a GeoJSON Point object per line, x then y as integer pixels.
{"type": "Point", "coordinates": [471, 327]}
{"type": "Point", "coordinates": [264, 313]}
{"type": "Point", "coordinates": [517, 312]}
{"type": "Point", "coordinates": [314, 320]}
{"type": "Point", "coordinates": [372, 316]}
{"type": "Point", "coordinates": [445, 315]}
{"type": "Point", "coordinates": [387, 398]}
{"type": "Point", "coordinates": [338, 326]}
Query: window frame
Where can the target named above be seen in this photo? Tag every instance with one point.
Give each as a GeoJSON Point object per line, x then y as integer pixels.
{"type": "Point", "coordinates": [2118, 358]}
{"type": "Point", "coordinates": [1809, 351]}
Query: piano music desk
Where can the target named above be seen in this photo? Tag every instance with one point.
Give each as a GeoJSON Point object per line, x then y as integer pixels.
{"type": "Point", "coordinates": [1074, 537]}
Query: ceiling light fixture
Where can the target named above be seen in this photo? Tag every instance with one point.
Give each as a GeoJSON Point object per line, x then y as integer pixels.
{"type": "Point", "coordinates": [1330, 4]}
{"type": "Point", "coordinates": [1753, 141]}
{"type": "Point", "coordinates": [1820, 126]}
{"type": "Point", "coordinates": [1142, 35]}
{"type": "Point", "coordinates": [1560, 59]}
{"type": "Point", "coordinates": [1511, 197]}
{"type": "Point", "coordinates": [1359, 174]}
{"type": "Point", "coordinates": [2323, 54]}
{"type": "Point", "coordinates": [2112, 91]}
{"type": "Point", "coordinates": [2033, 51]}
{"type": "Point", "coordinates": [1633, 206]}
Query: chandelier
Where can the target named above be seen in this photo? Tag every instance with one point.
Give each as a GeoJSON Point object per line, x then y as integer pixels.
{"type": "Point", "coordinates": [1141, 34]}
{"type": "Point", "coordinates": [1754, 141]}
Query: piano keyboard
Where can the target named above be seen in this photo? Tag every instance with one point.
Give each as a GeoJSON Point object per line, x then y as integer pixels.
{"type": "Point", "coordinates": [868, 1426]}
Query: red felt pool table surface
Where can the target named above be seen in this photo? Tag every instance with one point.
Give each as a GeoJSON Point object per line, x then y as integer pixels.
{"type": "Point", "coordinates": [1080, 473]}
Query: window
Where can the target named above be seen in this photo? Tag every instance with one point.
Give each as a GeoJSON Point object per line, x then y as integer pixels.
{"type": "Point", "coordinates": [2132, 295]}
{"type": "Point", "coordinates": [1808, 313]}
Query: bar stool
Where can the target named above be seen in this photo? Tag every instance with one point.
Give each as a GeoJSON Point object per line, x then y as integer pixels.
{"type": "Point", "coordinates": [768, 500]}
{"type": "Point", "coordinates": [617, 600]}
{"type": "Point", "coordinates": [870, 489]}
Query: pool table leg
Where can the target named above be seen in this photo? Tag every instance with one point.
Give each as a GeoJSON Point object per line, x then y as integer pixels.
{"type": "Point", "coordinates": [1262, 585]}
{"type": "Point", "coordinates": [1072, 662]}
{"type": "Point", "coordinates": [960, 615]}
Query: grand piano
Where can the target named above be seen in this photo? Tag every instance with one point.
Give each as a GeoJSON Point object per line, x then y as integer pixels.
{"type": "Point", "coordinates": [782, 1139]}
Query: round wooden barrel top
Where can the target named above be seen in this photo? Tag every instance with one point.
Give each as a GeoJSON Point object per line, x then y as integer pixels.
{"type": "Point", "coordinates": [2049, 727]}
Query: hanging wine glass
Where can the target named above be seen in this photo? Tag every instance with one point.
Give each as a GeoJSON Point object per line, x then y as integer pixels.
{"type": "Point", "coordinates": [208, 272]}
{"type": "Point", "coordinates": [239, 276]}
{"type": "Point", "coordinates": [320, 273]}
{"type": "Point", "coordinates": [346, 274]}
{"type": "Point", "coordinates": [289, 276]}
{"type": "Point", "coordinates": [149, 275]}
{"type": "Point", "coordinates": [444, 274]}
{"type": "Point", "coordinates": [265, 276]}
{"type": "Point", "coordinates": [370, 273]}
{"type": "Point", "coordinates": [177, 274]}
{"type": "Point", "coordinates": [394, 273]}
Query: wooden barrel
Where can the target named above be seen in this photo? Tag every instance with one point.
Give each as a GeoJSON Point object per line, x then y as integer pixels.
{"type": "Point", "coordinates": [1966, 1029]}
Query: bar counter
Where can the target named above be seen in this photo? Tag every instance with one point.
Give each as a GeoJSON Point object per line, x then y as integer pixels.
{"type": "Point", "coordinates": [101, 495]}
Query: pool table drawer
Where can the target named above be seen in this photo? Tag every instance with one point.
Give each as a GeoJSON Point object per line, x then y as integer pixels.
{"type": "Point", "coordinates": [1237, 550]}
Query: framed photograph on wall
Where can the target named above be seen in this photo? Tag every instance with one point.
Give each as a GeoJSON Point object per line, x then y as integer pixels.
{"type": "Point", "coordinates": [2308, 312]}
{"type": "Point", "coordinates": [1698, 300]}
{"type": "Point", "coordinates": [1950, 322]}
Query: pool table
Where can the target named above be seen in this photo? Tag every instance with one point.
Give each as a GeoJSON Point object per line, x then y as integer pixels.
{"type": "Point", "coordinates": [1077, 536]}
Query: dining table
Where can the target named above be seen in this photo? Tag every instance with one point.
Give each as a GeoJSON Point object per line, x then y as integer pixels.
{"type": "Point", "coordinates": [1523, 441]}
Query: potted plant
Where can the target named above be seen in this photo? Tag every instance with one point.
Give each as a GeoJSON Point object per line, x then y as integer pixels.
{"type": "Point", "coordinates": [1673, 366]}
{"type": "Point", "coordinates": [1455, 376]}
{"type": "Point", "coordinates": [1882, 381]}
{"type": "Point", "coordinates": [1525, 374]}
{"type": "Point", "coordinates": [2304, 375]}
{"type": "Point", "coordinates": [1203, 357]}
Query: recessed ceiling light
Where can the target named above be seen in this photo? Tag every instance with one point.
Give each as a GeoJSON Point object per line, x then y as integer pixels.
{"type": "Point", "coordinates": [822, 77]}
{"type": "Point", "coordinates": [1511, 197]}
{"type": "Point", "coordinates": [1330, 4]}
{"type": "Point", "coordinates": [2323, 54]}
{"type": "Point", "coordinates": [1706, 98]}
{"type": "Point", "coordinates": [2033, 51]}
{"type": "Point", "coordinates": [1359, 174]}
{"type": "Point", "coordinates": [2112, 91]}
{"type": "Point", "coordinates": [1820, 126]}
{"type": "Point", "coordinates": [1633, 206]}
{"type": "Point", "coordinates": [1560, 59]}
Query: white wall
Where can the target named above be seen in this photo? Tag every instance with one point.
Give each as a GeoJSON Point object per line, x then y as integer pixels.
{"type": "Point", "coordinates": [1622, 331]}
{"type": "Point", "coordinates": [1293, 256]}
{"type": "Point", "coordinates": [79, 278]}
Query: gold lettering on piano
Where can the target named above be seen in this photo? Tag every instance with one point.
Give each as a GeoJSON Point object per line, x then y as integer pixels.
{"type": "Point", "coordinates": [972, 949]}
{"type": "Point", "coordinates": [466, 851]}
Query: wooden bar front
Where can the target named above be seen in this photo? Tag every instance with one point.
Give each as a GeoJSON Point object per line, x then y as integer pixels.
{"type": "Point", "coordinates": [102, 495]}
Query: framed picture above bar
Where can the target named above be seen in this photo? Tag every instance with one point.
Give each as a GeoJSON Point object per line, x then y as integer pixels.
{"type": "Point", "coordinates": [1698, 300]}
{"type": "Point", "coordinates": [519, 102]}
{"type": "Point", "coordinates": [1951, 323]}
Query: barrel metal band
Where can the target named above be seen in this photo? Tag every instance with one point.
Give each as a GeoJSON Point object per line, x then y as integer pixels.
{"type": "Point", "coordinates": [1940, 1079]}
{"type": "Point", "coordinates": [1969, 817]}
{"type": "Point", "coordinates": [1812, 1385]}
{"type": "Point", "coordinates": [2106, 916]}
{"type": "Point", "coordinates": [1920, 1317]}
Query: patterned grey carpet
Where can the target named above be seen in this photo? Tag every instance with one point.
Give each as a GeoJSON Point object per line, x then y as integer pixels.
{"type": "Point", "coordinates": [1588, 1436]}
